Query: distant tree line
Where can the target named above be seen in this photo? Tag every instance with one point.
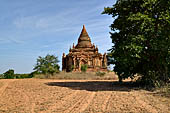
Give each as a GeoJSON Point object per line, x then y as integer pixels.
{"type": "Point", "coordinates": [11, 75]}
{"type": "Point", "coordinates": [47, 65]}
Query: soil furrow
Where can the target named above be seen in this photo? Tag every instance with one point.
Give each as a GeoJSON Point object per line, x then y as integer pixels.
{"type": "Point", "coordinates": [84, 103]}
{"type": "Point", "coordinates": [77, 102]}
{"type": "Point", "coordinates": [5, 85]}
{"type": "Point", "coordinates": [60, 103]}
{"type": "Point", "coordinates": [83, 96]}
{"type": "Point", "coordinates": [106, 101]}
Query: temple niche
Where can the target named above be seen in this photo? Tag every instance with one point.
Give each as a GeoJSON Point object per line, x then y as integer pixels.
{"type": "Point", "coordinates": [84, 53]}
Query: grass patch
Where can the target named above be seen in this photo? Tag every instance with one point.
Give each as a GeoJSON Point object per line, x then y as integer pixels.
{"type": "Point", "coordinates": [42, 76]}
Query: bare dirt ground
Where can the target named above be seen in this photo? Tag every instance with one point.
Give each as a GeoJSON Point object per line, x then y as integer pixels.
{"type": "Point", "coordinates": [77, 96]}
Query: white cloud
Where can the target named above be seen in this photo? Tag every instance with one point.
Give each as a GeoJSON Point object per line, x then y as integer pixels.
{"type": "Point", "coordinates": [62, 20]}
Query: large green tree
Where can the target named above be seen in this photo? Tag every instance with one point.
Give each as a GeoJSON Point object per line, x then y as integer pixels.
{"type": "Point", "coordinates": [47, 64]}
{"type": "Point", "coordinates": [141, 39]}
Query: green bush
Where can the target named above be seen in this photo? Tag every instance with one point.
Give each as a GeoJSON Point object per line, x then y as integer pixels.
{"type": "Point", "coordinates": [84, 68]}
{"type": "Point", "coordinates": [101, 74]}
{"type": "Point", "coordinates": [33, 74]}
{"type": "Point", "coordinates": [9, 74]}
{"type": "Point", "coordinates": [18, 76]}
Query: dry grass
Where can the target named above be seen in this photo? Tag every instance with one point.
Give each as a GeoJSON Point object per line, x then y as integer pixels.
{"type": "Point", "coordinates": [77, 96]}
{"type": "Point", "coordinates": [79, 76]}
{"type": "Point", "coordinates": [163, 91]}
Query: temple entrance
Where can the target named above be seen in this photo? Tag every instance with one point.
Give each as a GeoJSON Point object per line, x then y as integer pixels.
{"type": "Point", "coordinates": [83, 62]}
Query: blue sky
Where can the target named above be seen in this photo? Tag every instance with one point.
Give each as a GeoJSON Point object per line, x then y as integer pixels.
{"type": "Point", "coordinates": [32, 28]}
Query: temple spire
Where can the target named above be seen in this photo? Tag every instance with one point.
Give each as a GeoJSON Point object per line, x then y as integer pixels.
{"type": "Point", "coordinates": [84, 32]}
{"type": "Point", "coordinates": [84, 29]}
{"type": "Point", "coordinates": [84, 39]}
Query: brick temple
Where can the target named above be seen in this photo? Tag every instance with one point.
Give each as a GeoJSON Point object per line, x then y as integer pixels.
{"type": "Point", "coordinates": [84, 53]}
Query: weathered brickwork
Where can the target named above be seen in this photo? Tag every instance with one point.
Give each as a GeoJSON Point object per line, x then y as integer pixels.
{"type": "Point", "coordinates": [84, 53]}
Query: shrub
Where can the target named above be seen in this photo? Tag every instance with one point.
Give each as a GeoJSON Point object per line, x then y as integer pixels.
{"type": "Point", "coordinates": [18, 76]}
{"type": "Point", "coordinates": [101, 74]}
{"type": "Point", "coordinates": [9, 74]}
{"type": "Point", "coordinates": [33, 74]}
{"type": "Point", "coordinates": [84, 68]}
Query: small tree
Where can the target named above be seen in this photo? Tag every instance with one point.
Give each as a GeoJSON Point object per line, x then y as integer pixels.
{"type": "Point", "coordinates": [47, 64]}
{"type": "Point", "coordinates": [9, 74]}
{"type": "Point", "coordinates": [84, 68]}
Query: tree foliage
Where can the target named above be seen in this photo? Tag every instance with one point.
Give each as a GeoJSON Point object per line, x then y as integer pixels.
{"type": "Point", "coordinates": [141, 39]}
{"type": "Point", "coordinates": [9, 74]}
{"type": "Point", "coordinates": [47, 64]}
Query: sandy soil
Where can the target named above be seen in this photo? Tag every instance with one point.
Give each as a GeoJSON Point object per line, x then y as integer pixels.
{"type": "Point", "coordinates": [77, 96]}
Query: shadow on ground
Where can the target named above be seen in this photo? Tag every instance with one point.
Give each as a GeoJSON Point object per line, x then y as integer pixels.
{"type": "Point", "coordinates": [96, 85]}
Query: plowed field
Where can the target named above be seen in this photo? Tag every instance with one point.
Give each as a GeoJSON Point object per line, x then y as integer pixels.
{"type": "Point", "coordinates": [77, 96]}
